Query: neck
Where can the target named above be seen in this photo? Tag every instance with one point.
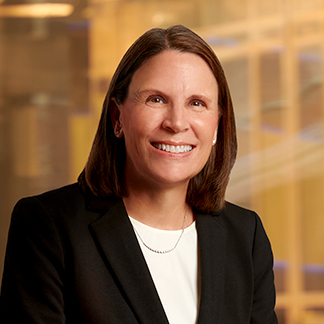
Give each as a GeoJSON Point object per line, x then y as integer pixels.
{"type": "Point", "coordinates": [163, 209]}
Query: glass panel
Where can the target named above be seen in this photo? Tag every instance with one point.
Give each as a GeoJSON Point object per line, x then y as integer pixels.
{"type": "Point", "coordinates": [240, 184]}
{"type": "Point", "coordinates": [266, 7]}
{"type": "Point", "coordinates": [300, 5]}
{"type": "Point", "coordinates": [280, 272]}
{"type": "Point", "coordinates": [222, 11]}
{"type": "Point", "coordinates": [271, 92]}
{"type": "Point", "coordinates": [44, 71]}
{"type": "Point", "coordinates": [311, 172]}
{"type": "Point", "coordinates": [269, 195]}
{"type": "Point", "coordinates": [236, 72]}
{"type": "Point", "coordinates": [311, 93]}
{"type": "Point", "coordinates": [313, 276]}
{"type": "Point", "coordinates": [313, 316]}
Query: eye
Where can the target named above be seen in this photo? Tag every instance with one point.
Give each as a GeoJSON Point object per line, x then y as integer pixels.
{"type": "Point", "coordinates": [197, 103]}
{"type": "Point", "coordinates": [155, 99]}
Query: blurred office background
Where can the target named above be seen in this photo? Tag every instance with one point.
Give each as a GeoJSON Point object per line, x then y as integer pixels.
{"type": "Point", "coordinates": [55, 67]}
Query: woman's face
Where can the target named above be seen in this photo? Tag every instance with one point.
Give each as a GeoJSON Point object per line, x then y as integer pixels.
{"type": "Point", "coordinates": [169, 120]}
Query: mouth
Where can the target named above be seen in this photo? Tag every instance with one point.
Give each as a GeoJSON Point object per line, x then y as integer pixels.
{"type": "Point", "coordinates": [173, 148]}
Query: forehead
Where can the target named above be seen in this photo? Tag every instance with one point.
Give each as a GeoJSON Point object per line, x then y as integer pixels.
{"type": "Point", "coordinates": [173, 68]}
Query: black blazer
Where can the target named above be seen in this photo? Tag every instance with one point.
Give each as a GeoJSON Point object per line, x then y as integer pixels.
{"type": "Point", "coordinates": [74, 258]}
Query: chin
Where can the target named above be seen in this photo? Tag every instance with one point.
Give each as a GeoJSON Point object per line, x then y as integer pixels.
{"type": "Point", "coordinates": [173, 181]}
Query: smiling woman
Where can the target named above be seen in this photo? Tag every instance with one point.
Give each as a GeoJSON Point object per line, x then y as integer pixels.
{"type": "Point", "coordinates": [206, 190]}
{"type": "Point", "coordinates": [145, 236]}
{"type": "Point", "coordinates": [171, 102]}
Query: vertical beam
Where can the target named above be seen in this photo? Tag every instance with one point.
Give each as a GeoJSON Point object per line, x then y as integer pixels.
{"type": "Point", "coordinates": [291, 122]}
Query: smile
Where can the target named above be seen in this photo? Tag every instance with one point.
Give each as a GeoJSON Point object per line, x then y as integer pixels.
{"type": "Point", "coordinates": [173, 148]}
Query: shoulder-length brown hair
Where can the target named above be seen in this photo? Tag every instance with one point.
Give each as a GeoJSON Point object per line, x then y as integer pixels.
{"type": "Point", "coordinates": [103, 174]}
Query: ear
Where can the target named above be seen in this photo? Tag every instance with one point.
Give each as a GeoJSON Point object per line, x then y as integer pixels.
{"type": "Point", "coordinates": [216, 129]}
{"type": "Point", "coordinates": [215, 136]}
{"type": "Point", "coordinates": [115, 114]}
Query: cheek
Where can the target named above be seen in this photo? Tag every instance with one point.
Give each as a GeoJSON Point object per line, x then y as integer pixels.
{"type": "Point", "coordinates": [207, 127]}
{"type": "Point", "coordinates": [128, 121]}
{"type": "Point", "coordinates": [137, 129]}
{"type": "Point", "coordinates": [144, 123]}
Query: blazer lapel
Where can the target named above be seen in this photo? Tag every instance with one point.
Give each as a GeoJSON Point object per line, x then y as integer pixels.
{"type": "Point", "coordinates": [212, 243]}
{"type": "Point", "coordinates": [115, 236]}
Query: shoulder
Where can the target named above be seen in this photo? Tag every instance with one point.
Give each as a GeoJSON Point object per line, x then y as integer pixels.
{"type": "Point", "coordinates": [232, 210]}
{"type": "Point", "coordinates": [232, 216]}
{"type": "Point", "coordinates": [56, 198]}
{"type": "Point", "coordinates": [58, 204]}
{"type": "Point", "coordinates": [68, 205]}
{"type": "Point", "coordinates": [69, 192]}
{"type": "Point", "coordinates": [236, 216]}
{"type": "Point", "coordinates": [241, 225]}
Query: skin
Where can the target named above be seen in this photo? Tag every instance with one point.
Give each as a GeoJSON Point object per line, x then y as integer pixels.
{"type": "Point", "coordinates": [172, 100]}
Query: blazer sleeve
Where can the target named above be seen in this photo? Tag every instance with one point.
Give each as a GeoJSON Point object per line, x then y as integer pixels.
{"type": "Point", "coordinates": [32, 287]}
{"type": "Point", "coordinates": [264, 289]}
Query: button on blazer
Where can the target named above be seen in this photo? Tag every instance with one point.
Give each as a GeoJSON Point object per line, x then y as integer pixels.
{"type": "Point", "coordinates": [74, 258]}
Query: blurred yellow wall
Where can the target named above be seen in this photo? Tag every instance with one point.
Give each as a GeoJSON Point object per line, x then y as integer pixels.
{"type": "Point", "coordinates": [54, 73]}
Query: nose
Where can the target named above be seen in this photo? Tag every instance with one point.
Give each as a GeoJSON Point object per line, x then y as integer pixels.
{"type": "Point", "coordinates": [176, 119]}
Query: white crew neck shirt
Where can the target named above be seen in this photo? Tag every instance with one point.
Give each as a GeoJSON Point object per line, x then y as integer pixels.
{"type": "Point", "coordinates": [175, 274]}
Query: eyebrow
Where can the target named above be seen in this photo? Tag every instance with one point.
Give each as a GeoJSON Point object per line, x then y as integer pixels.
{"type": "Point", "coordinates": [141, 92]}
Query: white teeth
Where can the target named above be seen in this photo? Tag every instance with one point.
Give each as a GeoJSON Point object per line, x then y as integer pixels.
{"type": "Point", "coordinates": [173, 148]}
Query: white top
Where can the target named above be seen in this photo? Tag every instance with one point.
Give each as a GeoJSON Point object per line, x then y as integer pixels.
{"type": "Point", "coordinates": [175, 274]}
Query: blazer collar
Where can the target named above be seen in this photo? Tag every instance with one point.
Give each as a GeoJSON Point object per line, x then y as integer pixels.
{"type": "Point", "coordinates": [115, 237]}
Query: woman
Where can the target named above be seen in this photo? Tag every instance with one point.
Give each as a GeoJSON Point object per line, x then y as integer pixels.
{"type": "Point", "coordinates": [146, 236]}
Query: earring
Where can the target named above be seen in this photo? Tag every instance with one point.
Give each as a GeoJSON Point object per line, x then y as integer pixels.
{"type": "Point", "coordinates": [118, 133]}
{"type": "Point", "coordinates": [214, 141]}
